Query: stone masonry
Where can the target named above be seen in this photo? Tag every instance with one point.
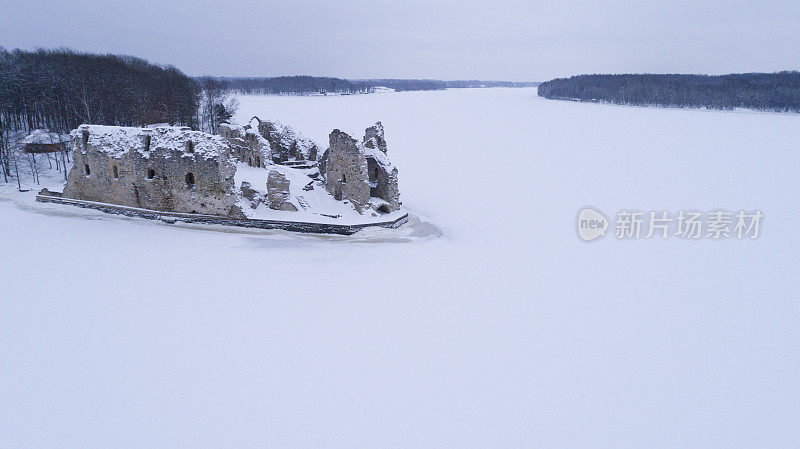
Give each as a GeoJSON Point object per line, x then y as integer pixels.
{"type": "Point", "coordinates": [175, 169]}
{"type": "Point", "coordinates": [359, 170]}
{"type": "Point", "coordinates": [346, 170]}
{"type": "Point", "coordinates": [278, 194]}
{"type": "Point", "coordinates": [166, 168]}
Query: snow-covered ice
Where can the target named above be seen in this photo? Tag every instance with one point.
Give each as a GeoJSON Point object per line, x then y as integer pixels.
{"type": "Point", "coordinates": [506, 331]}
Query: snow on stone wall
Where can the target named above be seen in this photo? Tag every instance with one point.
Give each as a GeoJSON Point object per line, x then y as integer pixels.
{"type": "Point", "coordinates": [169, 169]}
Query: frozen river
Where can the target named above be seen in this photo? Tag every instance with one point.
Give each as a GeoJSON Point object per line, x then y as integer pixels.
{"type": "Point", "coordinates": [505, 331]}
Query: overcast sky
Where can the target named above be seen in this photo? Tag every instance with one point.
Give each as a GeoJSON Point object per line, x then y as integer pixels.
{"type": "Point", "coordinates": [467, 39]}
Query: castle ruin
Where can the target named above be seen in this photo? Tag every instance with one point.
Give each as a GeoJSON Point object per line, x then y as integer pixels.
{"type": "Point", "coordinates": [262, 170]}
{"type": "Point", "coordinates": [164, 169]}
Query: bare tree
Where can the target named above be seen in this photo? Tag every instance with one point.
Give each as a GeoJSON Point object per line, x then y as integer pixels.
{"type": "Point", "coordinates": [216, 104]}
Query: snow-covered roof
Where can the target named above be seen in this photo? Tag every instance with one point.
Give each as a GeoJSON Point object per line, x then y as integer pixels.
{"type": "Point", "coordinates": [44, 137]}
{"type": "Point", "coordinates": [118, 140]}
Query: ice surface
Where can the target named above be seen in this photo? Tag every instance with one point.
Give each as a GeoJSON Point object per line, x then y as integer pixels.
{"type": "Point", "coordinates": [506, 332]}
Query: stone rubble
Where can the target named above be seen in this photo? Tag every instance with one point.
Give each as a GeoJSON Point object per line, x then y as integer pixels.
{"type": "Point", "coordinates": [278, 195]}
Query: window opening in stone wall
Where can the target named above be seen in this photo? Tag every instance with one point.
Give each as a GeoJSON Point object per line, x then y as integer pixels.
{"type": "Point", "coordinates": [151, 173]}
{"type": "Point", "coordinates": [190, 180]}
{"type": "Point", "coordinates": [115, 172]}
{"type": "Point", "coordinates": [86, 169]}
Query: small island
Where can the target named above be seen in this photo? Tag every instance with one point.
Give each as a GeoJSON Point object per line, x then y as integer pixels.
{"type": "Point", "coordinates": [262, 174]}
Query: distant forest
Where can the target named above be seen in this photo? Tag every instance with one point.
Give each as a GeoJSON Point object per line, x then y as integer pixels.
{"type": "Point", "coordinates": [292, 85]}
{"type": "Point", "coordinates": [401, 85]}
{"type": "Point", "coordinates": [479, 83]}
{"type": "Point", "coordinates": [414, 84]}
{"type": "Point", "coordinates": [308, 85]}
{"type": "Point", "coordinates": [763, 91]}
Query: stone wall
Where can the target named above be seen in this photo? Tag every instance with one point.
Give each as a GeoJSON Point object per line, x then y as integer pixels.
{"type": "Point", "coordinates": [346, 175]}
{"type": "Point", "coordinates": [374, 138]}
{"type": "Point", "coordinates": [286, 144]}
{"type": "Point", "coordinates": [172, 217]}
{"type": "Point", "coordinates": [175, 169]}
{"type": "Point", "coordinates": [382, 173]}
{"type": "Point", "coordinates": [278, 196]}
{"type": "Point", "coordinates": [343, 163]}
{"type": "Point", "coordinates": [383, 182]}
{"type": "Point", "coordinates": [246, 145]}
{"type": "Point", "coordinates": [166, 169]}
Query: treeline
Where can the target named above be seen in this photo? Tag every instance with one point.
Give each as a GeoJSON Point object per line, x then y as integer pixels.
{"type": "Point", "coordinates": [60, 89]}
{"type": "Point", "coordinates": [763, 91]}
{"type": "Point", "coordinates": [478, 83]}
{"type": "Point", "coordinates": [309, 85]}
{"type": "Point", "coordinates": [415, 84]}
{"type": "Point", "coordinates": [401, 85]}
{"type": "Point", "coordinates": [292, 85]}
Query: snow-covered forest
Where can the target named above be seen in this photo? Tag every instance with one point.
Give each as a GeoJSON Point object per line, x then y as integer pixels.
{"type": "Point", "coordinates": [761, 91]}
{"type": "Point", "coordinates": [58, 90]}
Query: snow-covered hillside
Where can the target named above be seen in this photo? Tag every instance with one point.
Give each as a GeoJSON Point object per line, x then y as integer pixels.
{"type": "Point", "coordinates": [506, 331]}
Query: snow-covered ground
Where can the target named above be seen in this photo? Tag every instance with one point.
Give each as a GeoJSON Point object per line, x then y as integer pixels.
{"type": "Point", "coordinates": [506, 331]}
{"type": "Point", "coordinates": [322, 207]}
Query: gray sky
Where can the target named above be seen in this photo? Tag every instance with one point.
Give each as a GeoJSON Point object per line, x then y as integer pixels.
{"type": "Point", "coordinates": [466, 39]}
